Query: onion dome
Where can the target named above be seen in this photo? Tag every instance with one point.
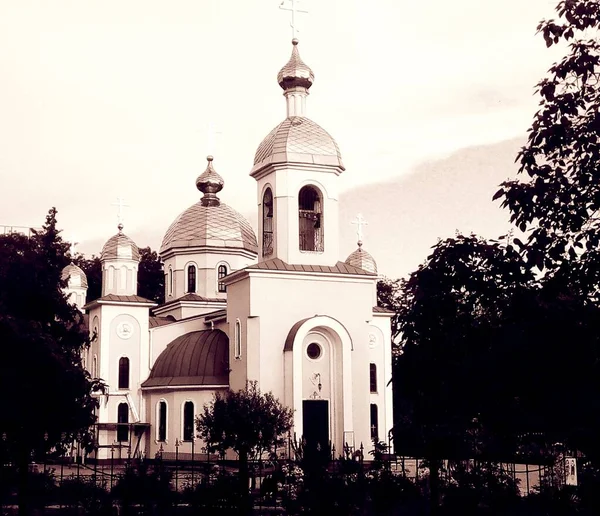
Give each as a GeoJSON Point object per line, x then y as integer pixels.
{"type": "Point", "coordinates": [74, 276]}
{"type": "Point", "coordinates": [295, 72]}
{"type": "Point", "coordinates": [196, 358]}
{"type": "Point", "coordinates": [209, 222]}
{"type": "Point", "coordinates": [298, 140]}
{"type": "Point", "coordinates": [363, 260]}
{"type": "Point", "coordinates": [120, 246]}
{"type": "Point", "coordinates": [210, 183]}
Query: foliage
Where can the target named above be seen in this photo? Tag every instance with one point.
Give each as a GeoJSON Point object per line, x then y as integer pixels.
{"type": "Point", "coordinates": [216, 494]}
{"type": "Point", "coordinates": [92, 267]}
{"type": "Point", "coordinates": [42, 337]}
{"type": "Point", "coordinates": [559, 201]}
{"type": "Point", "coordinates": [145, 485]}
{"type": "Point", "coordinates": [85, 493]}
{"type": "Point", "coordinates": [246, 421]}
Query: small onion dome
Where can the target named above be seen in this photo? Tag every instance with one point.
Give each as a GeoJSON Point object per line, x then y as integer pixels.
{"type": "Point", "coordinates": [298, 140]}
{"type": "Point", "coordinates": [196, 358]}
{"type": "Point", "coordinates": [295, 72]}
{"type": "Point", "coordinates": [74, 276]}
{"type": "Point", "coordinates": [120, 246]}
{"type": "Point", "coordinates": [363, 260]}
{"type": "Point", "coordinates": [209, 222]}
{"type": "Point", "coordinates": [210, 183]}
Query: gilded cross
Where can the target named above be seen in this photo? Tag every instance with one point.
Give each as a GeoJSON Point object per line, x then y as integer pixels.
{"type": "Point", "coordinates": [72, 247]}
{"type": "Point", "coordinates": [293, 9]}
{"type": "Point", "coordinates": [360, 222]}
{"type": "Point", "coordinates": [211, 138]}
{"type": "Point", "coordinates": [120, 204]}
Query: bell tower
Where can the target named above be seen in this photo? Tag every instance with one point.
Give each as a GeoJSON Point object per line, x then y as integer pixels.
{"type": "Point", "coordinates": [296, 168]}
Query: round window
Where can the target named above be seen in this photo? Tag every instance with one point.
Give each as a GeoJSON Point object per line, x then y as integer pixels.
{"type": "Point", "coordinates": [314, 351]}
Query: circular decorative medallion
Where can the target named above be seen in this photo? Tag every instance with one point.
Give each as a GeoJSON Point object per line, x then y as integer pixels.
{"type": "Point", "coordinates": [124, 330]}
{"type": "Point", "coordinates": [372, 340]}
{"type": "Point", "coordinates": [314, 351]}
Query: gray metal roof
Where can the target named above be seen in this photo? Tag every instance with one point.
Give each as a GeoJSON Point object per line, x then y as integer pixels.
{"type": "Point", "coordinates": [295, 72]}
{"type": "Point", "coordinates": [73, 271]}
{"type": "Point", "coordinates": [277, 264]}
{"type": "Point", "coordinates": [210, 226]}
{"type": "Point", "coordinates": [363, 260]}
{"type": "Point", "coordinates": [120, 246]}
{"type": "Point", "coordinates": [298, 140]}
{"type": "Point", "coordinates": [196, 358]}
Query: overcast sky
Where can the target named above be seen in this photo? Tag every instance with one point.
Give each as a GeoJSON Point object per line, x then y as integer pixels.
{"type": "Point", "coordinates": [113, 97]}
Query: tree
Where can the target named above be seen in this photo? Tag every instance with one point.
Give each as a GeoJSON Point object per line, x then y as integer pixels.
{"type": "Point", "coordinates": [246, 421]}
{"type": "Point", "coordinates": [559, 201]}
{"type": "Point", "coordinates": [151, 278]}
{"type": "Point", "coordinates": [92, 267]}
{"type": "Point", "coordinates": [47, 397]}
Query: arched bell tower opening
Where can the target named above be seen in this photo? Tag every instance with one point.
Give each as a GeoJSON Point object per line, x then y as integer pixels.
{"type": "Point", "coordinates": [267, 223]}
{"type": "Point", "coordinates": [310, 219]}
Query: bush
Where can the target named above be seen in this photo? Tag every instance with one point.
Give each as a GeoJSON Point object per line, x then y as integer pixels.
{"type": "Point", "coordinates": [219, 493]}
{"type": "Point", "coordinates": [84, 493]}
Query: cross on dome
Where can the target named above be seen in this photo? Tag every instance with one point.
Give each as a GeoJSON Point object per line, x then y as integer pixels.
{"type": "Point", "coordinates": [211, 138]}
{"type": "Point", "coordinates": [72, 245]}
{"type": "Point", "coordinates": [360, 222]}
{"type": "Point", "coordinates": [293, 10]}
{"type": "Point", "coordinates": [120, 204]}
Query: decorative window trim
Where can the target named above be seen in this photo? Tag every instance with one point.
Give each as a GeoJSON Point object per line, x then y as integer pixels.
{"type": "Point", "coordinates": [187, 277]}
{"type": "Point", "coordinates": [183, 439]}
{"type": "Point", "coordinates": [158, 439]}
{"type": "Point", "coordinates": [373, 378]}
{"type": "Point", "coordinates": [128, 373]}
{"type": "Point", "coordinates": [170, 280]}
{"type": "Point", "coordinates": [268, 234]}
{"type": "Point", "coordinates": [311, 230]}
{"type": "Point", "coordinates": [227, 272]}
{"type": "Point", "coordinates": [237, 340]}
{"type": "Point", "coordinates": [123, 423]}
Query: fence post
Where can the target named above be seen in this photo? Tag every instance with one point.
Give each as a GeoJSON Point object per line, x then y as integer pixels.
{"type": "Point", "coordinates": [177, 443]}
{"type": "Point", "coordinates": [112, 464]}
{"type": "Point", "coordinates": [193, 441]}
{"type": "Point", "coordinates": [527, 473]}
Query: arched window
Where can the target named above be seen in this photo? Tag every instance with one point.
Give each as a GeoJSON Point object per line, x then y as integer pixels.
{"type": "Point", "coordinates": [221, 273]}
{"type": "Point", "coordinates": [191, 278]}
{"type": "Point", "coordinates": [162, 421]}
{"type": "Point", "coordinates": [123, 422]}
{"type": "Point", "coordinates": [310, 219]}
{"type": "Point", "coordinates": [188, 421]}
{"type": "Point", "coordinates": [374, 422]}
{"type": "Point", "coordinates": [123, 373]}
{"type": "Point", "coordinates": [95, 367]}
{"type": "Point", "coordinates": [237, 339]}
{"type": "Point", "coordinates": [170, 280]}
{"type": "Point", "coordinates": [267, 243]}
{"type": "Point", "coordinates": [373, 377]}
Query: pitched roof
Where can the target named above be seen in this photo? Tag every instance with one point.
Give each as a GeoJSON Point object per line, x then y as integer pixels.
{"type": "Point", "coordinates": [193, 297]}
{"type": "Point", "coordinates": [277, 264]}
{"type": "Point", "coordinates": [120, 299]}
{"type": "Point", "coordinates": [381, 310]}
{"type": "Point", "coordinates": [161, 321]}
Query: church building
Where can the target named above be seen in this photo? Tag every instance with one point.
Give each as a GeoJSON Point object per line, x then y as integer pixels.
{"type": "Point", "coordinates": [277, 307]}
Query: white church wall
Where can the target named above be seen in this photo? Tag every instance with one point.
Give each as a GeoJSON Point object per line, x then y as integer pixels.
{"type": "Point", "coordinates": [381, 350]}
{"type": "Point", "coordinates": [238, 308]}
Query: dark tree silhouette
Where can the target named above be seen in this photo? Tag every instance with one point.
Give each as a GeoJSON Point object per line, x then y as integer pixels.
{"type": "Point", "coordinates": [246, 421]}
{"type": "Point", "coordinates": [47, 394]}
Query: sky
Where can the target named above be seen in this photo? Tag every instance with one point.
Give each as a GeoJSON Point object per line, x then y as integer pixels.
{"type": "Point", "coordinates": [101, 99]}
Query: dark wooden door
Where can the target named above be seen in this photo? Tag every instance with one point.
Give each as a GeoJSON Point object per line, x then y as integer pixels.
{"type": "Point", "coordinates": [315, 423]}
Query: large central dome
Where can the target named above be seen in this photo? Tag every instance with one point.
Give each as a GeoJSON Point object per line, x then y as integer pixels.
{"type": "Point", "coordinates": [209, 222]}
{"type": "Point", "coordinates": [298, 140]}
{"type": "Point", "coordinates": [210, 226]}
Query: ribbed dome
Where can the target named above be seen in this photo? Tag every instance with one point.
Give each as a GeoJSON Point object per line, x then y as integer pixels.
{"type": "Point", "coordinates": [74, 276]}
{"type": "Point", "coordinates": [296, 72]}
{"type": "Point", "coordinates": [298, 140]}
{"type": "Point", "coordinates": [120, 246]}
{"type": "Point", "coordinates": [212, 226]}
{"type": "Point", "coordinates": [363, 260]}
{"type": "Point", "coordinates": [196, 358]}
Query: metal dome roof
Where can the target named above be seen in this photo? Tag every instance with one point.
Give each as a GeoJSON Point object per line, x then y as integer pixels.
{"type": "Point", "coordinates": [363, 260]}
{"type": "Point", "coordinates": [298, 140]}
{"type": "Point", "coordinates": [120, 246]}
{"type": "Point", "coordinates": [74, 275]}
{"type": "Point", "coordinates": [196, 358]}
{"type": "Point", "coordinates": [295, 72]}
{"type": "Point", "coordinates": [212, 226]}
